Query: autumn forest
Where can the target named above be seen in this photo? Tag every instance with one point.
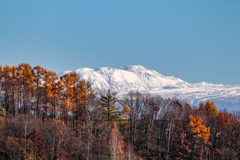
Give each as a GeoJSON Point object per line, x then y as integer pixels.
{"type": "Point", "coordinates": [46, 117]}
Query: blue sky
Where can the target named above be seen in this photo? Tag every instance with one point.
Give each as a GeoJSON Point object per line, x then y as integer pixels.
{"type": "Point", "coordinates": [193, 40]}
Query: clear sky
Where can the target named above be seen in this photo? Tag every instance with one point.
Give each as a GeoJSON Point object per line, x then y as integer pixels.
{"type": "Point", "coordinates": [192, 40]}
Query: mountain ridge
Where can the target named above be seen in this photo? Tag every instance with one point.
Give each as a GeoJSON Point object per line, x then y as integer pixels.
{"type": "Point", "coordinates": [138, 78]}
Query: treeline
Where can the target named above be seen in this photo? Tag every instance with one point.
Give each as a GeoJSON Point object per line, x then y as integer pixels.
{"type": "Point", "coordinates": [43, 116]}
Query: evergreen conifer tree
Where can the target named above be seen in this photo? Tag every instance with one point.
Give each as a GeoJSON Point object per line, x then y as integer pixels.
{"type": "Point", "coordinates": [110, 110]}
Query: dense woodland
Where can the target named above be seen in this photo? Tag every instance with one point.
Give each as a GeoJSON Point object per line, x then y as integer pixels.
{"type": "Point", "coordinates": [43, 116]}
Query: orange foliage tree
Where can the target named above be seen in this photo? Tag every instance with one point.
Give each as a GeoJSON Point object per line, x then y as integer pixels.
{"type": "Point", "coordinates": [75, 94]}
{"type": "Point", "coordinates": [198, 129]}
{"type": "Point", "coordinates": [201, 134]}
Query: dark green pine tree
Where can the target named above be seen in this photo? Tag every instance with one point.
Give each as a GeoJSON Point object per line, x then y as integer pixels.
{"type": "Point", "coordinates": [110, 110]}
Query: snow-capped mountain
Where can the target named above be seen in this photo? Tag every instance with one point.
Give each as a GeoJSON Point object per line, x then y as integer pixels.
{"type": "Point", "coordinates": [139, 78]}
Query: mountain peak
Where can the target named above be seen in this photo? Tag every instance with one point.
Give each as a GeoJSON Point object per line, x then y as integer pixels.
{"type": "Point", "coordinates": [82, 70]}
{"type": "Point", "coordinates": [133, 67]}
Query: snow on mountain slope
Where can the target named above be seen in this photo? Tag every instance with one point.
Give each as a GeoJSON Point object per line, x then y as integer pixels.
{"type": "Point", "coordinates": [120, 80]}
{"type": "Point", "coordinates": [93, 77]}
{"type": "Point", "coordinates": [153, 78]}
{"type": "Point", "coordinates": [138, 78]}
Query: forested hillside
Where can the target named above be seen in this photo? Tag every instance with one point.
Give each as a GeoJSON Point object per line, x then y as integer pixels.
{"type": "Point", "coordinates": [43, 116]}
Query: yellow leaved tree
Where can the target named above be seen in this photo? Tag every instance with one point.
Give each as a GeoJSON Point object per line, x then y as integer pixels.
{"type": "Point", "coordinates": [2, 114]}
{"type": "Point", "coordinates": [23, 146]}
{"type": "Point", "coordinates": [210, 107]}
{"type": "Point", "coordinates": [2, 118]}
{"type": "Point", "coordinates": [126, 114]}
